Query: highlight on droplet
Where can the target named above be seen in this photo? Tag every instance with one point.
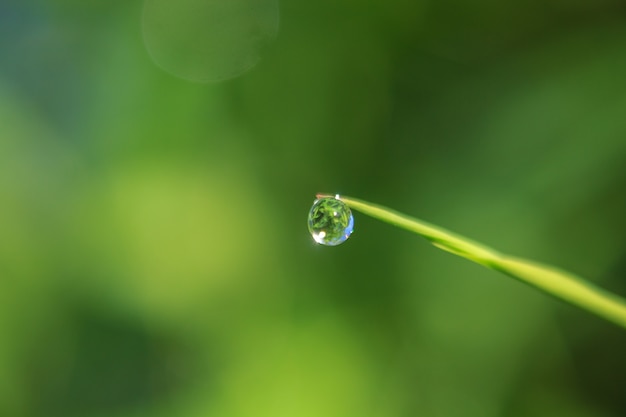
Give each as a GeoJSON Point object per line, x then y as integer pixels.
{"type": "Point", "coordinates": [208, 40]}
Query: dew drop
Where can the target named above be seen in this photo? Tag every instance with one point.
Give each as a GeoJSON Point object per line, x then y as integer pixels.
{"type": "Point", "coordinates": [330, 221]}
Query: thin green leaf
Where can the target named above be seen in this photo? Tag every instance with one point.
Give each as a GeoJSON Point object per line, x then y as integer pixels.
{"type": "Point", "coordinates": [553, 281]}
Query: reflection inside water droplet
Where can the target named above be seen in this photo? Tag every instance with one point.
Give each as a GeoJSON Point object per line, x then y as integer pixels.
{"type": "Point", "coordinates": [208, 40]}
{"type": "Point", "coordinates": [330, 221]}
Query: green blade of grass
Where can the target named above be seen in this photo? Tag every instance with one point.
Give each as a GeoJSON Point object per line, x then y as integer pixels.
{"type": "Point", "coordinates": [553, 281]}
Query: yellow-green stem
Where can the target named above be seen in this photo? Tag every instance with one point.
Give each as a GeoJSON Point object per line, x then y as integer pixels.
{"type": "Point", "coordinates": [553, 281]}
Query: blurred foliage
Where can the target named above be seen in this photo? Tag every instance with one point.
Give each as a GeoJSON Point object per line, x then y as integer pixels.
{"type": "Point", "coordinates": [154, 257]}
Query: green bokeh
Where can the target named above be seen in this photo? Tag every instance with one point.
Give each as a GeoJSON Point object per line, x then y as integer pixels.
{"type": "Point", "coordinates": [154, 253]}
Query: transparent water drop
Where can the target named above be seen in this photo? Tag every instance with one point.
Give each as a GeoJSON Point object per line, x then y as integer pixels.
{"type": "Point", "coordinates": [208, 40]}
{"type": "Point", "coordinates": [330, 221]}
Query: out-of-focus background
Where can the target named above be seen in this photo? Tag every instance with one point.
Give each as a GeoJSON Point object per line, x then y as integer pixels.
{"type": "Point", "coordinates": [154, 254]}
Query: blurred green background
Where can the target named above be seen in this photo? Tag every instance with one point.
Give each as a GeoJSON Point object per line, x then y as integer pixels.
{"type": "Point", "coordinates": [154, 254]}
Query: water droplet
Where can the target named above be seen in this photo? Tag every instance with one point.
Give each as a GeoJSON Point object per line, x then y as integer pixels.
{"type": "Point", "coordinates": [330, 221]}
